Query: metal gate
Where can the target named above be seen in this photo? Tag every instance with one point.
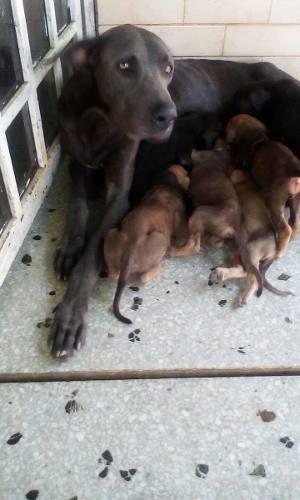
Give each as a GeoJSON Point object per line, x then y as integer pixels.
{"type": "Point", "coordinates": [31, 31]}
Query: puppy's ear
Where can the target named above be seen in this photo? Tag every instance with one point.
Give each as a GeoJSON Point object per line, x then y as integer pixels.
{"type": "Point", "coordinates": [238, 176]}
{"type": "Point", "coordinates": [294, 185]}
{"type": "Point", "coordinates": [181, 176]}
{"type": "Point", "coordinates": [195, 155]}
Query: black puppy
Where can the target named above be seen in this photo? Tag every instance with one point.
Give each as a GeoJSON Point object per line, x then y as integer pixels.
{"type": "Point", "coordinates": [124, 90]}
{"type": "Point", "coordinates": [277, 105]}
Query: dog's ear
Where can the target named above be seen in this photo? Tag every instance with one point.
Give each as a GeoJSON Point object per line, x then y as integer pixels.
{"type": "Point", "coordinates": [258, 98]}
{"type": "Point", "coordinates": [84, 53]}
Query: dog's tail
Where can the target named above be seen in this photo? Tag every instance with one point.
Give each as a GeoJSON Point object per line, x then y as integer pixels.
{"type": "Point", "coordinates": [126, 266]}
{"type": "Point", "coordinates": [241, 239]}
{"type": "Point", "coordinates": [263, 267]}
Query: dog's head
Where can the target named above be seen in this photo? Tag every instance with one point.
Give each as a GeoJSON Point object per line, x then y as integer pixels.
{"type": "Point", "coordinates": [243, 135]}
{"type": "Point", "coordinates": [241, 125]}
{"type": "Point", "coordinates": [132, 68]}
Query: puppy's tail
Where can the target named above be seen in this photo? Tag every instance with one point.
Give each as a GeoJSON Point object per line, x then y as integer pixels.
{"type": "Point", "coordinates": [241, 243]}
{"type": "Point", "coordinates": [264, 266]}
{"type": "Point", "coordinates": [122, 282]}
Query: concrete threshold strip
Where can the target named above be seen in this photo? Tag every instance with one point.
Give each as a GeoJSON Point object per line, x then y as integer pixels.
{"type": "Point", "coordinates": [175, 373]}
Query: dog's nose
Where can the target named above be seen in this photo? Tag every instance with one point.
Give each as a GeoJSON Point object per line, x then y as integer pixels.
{"type": "Point", "coordinates": [164, 114]}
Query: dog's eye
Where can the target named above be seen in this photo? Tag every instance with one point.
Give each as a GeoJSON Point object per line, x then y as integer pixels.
{"type": "Point", "coordinates": [124, 65]}
{"type": "Point", "coordinates": [168, 69]}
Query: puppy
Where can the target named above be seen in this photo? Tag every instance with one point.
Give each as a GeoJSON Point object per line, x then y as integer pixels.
{"type": "Point", "coordinates": [217, 214]}
{"type": "Point", "coordinates": [136, 249]}
{"type": "Point", "coordinates": [261, 244]}
{"type": "Point", "coordinates": [274, 168]}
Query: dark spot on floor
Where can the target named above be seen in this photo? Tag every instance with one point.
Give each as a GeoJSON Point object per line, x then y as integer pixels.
{"type": "Point", "coordinates": [138, 301]}
{"type": "Point", "coordinates": [53, 239]}
{"type": "Point", "coordinates": [266, 416]}
{"type": "Point", "coordinates": [288, 320]}
{"type": "Point", "coordinates": [32, 494]}
{"type": "Point", "coordinates": [74, 498]}
{"type": "Point", "coordinates": [40, 324]}
{"type": "Point", "coordinates": [74, 393]}
{"type": "Point", "coordinates": [224, 286]}
{"type": "Point", "coordinates": [127, 474]}
{"type": "Point", "coordinates": [134, 336]}
{"type": "Point", "coordinates": [287, 441]}
{"type": "Point", "coordinates": [52, 292]}
{"type": "Point", "coordinates": [259, 471]}
{"type": "Point", "coordinates": [26, 259]}
{"type": "Point", "coordinates": [108, 457]}
{"type": "Point", "coordinates": [37, 237]}
{"type": "Point", "coordinates": [283, 277]}
{"type": "Point", "coordinates": [72, 406]}
{"type": "Point", "coordinates": [14, 438]}
{"type": "Point", "coordinates": [103, 473]}
{"type": "Point", "coordinates": [110, 335]}
{"type": "Point", "coordinates": [51, 210]}
{"type": "Point", "coordinates": [222, 303]}
{"type": "Point", "coordinates": [202, 470]}
{"type": "Point", "coordinates": [241, 350]}
{"type": "Point", "coordinates": [176, 282]}
{"type": "Point", "coordinates": [168, 291]}
{"type": "Point", "coordinates": [134, 288]}
{"type": "Point", "coordinates": [134, 307]}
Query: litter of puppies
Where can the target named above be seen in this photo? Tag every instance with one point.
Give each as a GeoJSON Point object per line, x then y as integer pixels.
{"type": "Point", "coordinates": [232, 196]}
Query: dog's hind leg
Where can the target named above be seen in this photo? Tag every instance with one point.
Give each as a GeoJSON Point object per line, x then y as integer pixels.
{"type": "Point", "coordinates": [220, 274]}
{"type": "Point", "coordinates": [152, 273]}
{"type": "Point", "coordinates": [192, 247]}
{"type": "Point", "coordinates": [294, 223]}
{"type": "Point", "coordinates": [282, 228]}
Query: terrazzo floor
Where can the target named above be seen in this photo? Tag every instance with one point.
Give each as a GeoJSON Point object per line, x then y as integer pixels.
{"type": "Point", "coordinates": [194, 438]}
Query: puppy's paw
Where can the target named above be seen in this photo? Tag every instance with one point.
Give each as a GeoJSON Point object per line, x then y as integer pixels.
{"type": "Point", "coordinates": [243, 299]}
{"type": "Point", "coordinates": [216, 276]}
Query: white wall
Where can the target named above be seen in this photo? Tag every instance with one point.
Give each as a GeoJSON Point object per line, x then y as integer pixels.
{"type": "Point", "coordinates": [251, 30]}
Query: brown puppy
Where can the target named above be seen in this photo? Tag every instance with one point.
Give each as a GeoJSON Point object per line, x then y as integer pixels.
{"type": "Point", "coordinates": [217, 214]}
{"type": "Point", "coordinates": [261, 244]}
{"type": "Point", "coordinates": [275, 169]}
{"type": "Point", "coordinates": [136, 249]}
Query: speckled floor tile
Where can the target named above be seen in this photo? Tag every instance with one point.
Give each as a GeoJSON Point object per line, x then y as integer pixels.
{"type": "Point", "coordinates": [182, 322]}
{"type": "Point", "coordinates": [225, 439]}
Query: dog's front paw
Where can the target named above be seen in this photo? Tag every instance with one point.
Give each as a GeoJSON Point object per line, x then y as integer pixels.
{"type": "Point", "coordinates": [216, 276]}
{"type": "Point", "coordinates": [67, 256]}
{"type": "Point", "coordinates": [68, 330]}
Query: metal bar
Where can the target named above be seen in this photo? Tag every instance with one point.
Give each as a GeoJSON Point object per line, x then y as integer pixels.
{"type": "Point", "coordinates": [76, 16]}
{"type": "Point", "coordinates": [89, 18]}
{"type": "Point", "coordinates": [28, 75]}
{"type": "Point", "coordinates": [53, 38]}
{"type": "Point", "coordinates": [9, 179]}
{"type": "Point", "coordinates": [16, 230]}
{"type": "Point", "coordinates": [19, 99]}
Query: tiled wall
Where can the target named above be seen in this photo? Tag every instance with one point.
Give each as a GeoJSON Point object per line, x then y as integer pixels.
{"type": "Point", "coordinates": [252, 30]}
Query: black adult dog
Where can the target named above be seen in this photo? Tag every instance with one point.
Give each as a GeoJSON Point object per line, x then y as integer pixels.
{"type": "Point", "coordinates": [125, 90]}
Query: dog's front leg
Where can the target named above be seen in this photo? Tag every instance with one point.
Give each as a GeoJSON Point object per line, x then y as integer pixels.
{"type": "Point", "coordinates": [75, 229]}
{"type": "Point", "coordinates": [69, 326]}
